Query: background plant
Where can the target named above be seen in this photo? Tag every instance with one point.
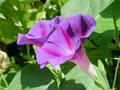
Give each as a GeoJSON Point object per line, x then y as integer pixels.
{"type": "Point", "coordinates": [102, 47]}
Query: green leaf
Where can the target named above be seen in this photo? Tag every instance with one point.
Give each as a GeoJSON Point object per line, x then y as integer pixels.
{"type": "Point", "coordinates": [28, 1]}
{"type": "Point", "coordinates": [92, 7]}
{"type": "Point", "coordinates": [104, 35]}
{"type": "Point", "coordinates": [113, 9]}
{"type": "Point", "coordinates": [31, 77]}
{"type": "Point", "coordinates": [64, 1]}
{"type": "Point", "coordinates": [76, 79]}
{"type": "Point", "coordinates": [8, 31]}
{"type": "Point", "coordinates": [1, 1]}
{"type": "Point", "coordinates": [10, 9]}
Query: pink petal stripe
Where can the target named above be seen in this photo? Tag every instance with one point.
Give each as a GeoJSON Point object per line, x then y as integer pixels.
{"type": "Point", "coordinates": [82, 61]}
{"type": "Point", "coordinates": [43, 32]}
{"type": "Point", "coordinates": [68, 40]}
{"type": "Point", "coordinates": [52, 53]}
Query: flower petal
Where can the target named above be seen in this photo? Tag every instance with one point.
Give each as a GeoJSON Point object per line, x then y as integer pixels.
{"type": "Point", "coordinates": [57, 20]}
{"type": "Point", "coordinates": [39, 32]}
{"type": "Point", "coordinates": [82, 25]}
{"type": "Point", "coordinates": [81, 60]}
{"type": "Point", "coordinates": [50, 57]}
{"type": "Point", "coordinates": [65, 26]}
{"type": "Point", "coordinates": [24, 39]}
{"type": "Point", "coordinates": [58, 49]}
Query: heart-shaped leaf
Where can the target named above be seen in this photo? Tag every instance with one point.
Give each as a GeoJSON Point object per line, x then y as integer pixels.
{"type": "Point", "coordinates": [92, 7]}
{"type": "Point", "coordinates": [32, 78]}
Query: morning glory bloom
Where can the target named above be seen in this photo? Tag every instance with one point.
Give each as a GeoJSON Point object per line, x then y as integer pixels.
{"type": "Point", "coordinates": [60, 40]}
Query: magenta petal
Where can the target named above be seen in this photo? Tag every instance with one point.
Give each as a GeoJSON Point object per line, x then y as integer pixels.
{"type": "Point", "coordinates": [57, 20]}
{"type": "Point", "coordinates": [42, 57]}
{"type": "Point", "coordinates": [60, 60]}
{"type": "Point", "coordinates": [82, 25]}
{"type": "Point", "coordinates": [65, 26]}
{"type": "Point", "coordinates": [81, 60]}
{"type": "Point", "coordinates": [62, 41]}
{"type": "Point", "coordinates": [24, 39]}
{"type": "Point", "coordinates": [39, 33]}
{"type": "Point", "coordinates": [50, 57]}
{"type": "Point", "coordinates": [57, 49]}
{"type": "Point", "coordinates": [40, 29]}
{"type": "Point", "coordinates": [90, 24]}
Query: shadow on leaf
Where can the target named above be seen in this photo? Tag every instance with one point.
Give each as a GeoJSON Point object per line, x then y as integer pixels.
{"type": "Point", "coordinates": [33, 77]}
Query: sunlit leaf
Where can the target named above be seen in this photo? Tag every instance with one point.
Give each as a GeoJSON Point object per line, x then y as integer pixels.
{"type": "Point", "coordinates": [76, 79]}
{"type": "Point", "coordinates": [8, 31]}
{"type": "Point", "coordinates": [28, 1]}
{"type": "Point", "coordinates": [92, 7]}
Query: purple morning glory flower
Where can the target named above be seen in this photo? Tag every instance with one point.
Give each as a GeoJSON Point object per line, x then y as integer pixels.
{"type": "Point", "coordinates": [60, 40]}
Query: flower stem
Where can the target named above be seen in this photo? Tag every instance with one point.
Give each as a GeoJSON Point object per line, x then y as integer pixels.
{"type": "Point", "coordinates": [4, 79]}
{"type": "Point", "coordinates": [116, 70]}
{"type": "Point", "coordinates": [58, 74]}
{"type": "Point", "coordinates": [99, 83]}
{"type": "Point", "coordinates": [28, 50]}
{"type": "Point", "coordinates": [106, 81]}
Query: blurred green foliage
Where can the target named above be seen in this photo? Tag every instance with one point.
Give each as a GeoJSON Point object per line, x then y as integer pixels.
{"type": "Point", "coordinates": [102, 47]}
